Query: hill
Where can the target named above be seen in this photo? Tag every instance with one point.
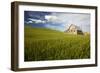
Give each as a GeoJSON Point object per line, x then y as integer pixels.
{"type": "Point", "coordinates": [47, 44]}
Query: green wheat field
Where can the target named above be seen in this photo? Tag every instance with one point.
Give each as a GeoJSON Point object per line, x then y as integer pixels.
{"type": "Point", "coordinates": [42, 44]}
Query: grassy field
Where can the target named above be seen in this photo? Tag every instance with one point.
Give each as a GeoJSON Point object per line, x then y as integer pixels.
{"type": "Point", "coordinates": [46, 44]}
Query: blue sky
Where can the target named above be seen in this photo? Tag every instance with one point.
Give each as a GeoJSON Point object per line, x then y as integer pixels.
{"type": "Point", "coordinates": [57, 20]}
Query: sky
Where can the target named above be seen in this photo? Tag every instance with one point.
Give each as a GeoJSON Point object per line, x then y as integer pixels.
{"type": "Point", "coordinates": [57, 20]}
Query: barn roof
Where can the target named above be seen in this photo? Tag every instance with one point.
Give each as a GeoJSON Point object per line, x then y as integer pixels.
{"type": "Point", "coordinates": [77, 27]}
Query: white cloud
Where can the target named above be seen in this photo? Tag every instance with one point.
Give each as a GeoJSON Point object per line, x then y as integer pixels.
{"type": "Point", "coordinates": [51, 18]}
{"type": "Point", "coordinates": [36, 20]}
{"type": "Point", "coordinates": [29, 22]}
{"type": "Point", "coordinates": [66, 19]}
{"type": "Point", "coordinates": [39, 21]}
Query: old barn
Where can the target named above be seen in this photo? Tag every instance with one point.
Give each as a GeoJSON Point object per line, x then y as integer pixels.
{"type": "Point", "coordinates": [73, 29]}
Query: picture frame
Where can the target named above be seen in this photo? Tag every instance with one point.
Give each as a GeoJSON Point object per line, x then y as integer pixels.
{"type": "Point", "coordinates": [47, 13]}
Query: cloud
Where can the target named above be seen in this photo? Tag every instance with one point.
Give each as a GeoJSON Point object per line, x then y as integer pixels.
{"type": "Point", "coordinates": [50, 18]}
{"type": "Point", "coordinates": [66, 19]}
{"type": "Point", "coordinates": [29, 22]}
{"type": "Point", "coordinates": [61, 20]}
{"type": "Point", "coordinates": [53, 19]}
{"type": "Point", "coordinates": [36, 20]}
